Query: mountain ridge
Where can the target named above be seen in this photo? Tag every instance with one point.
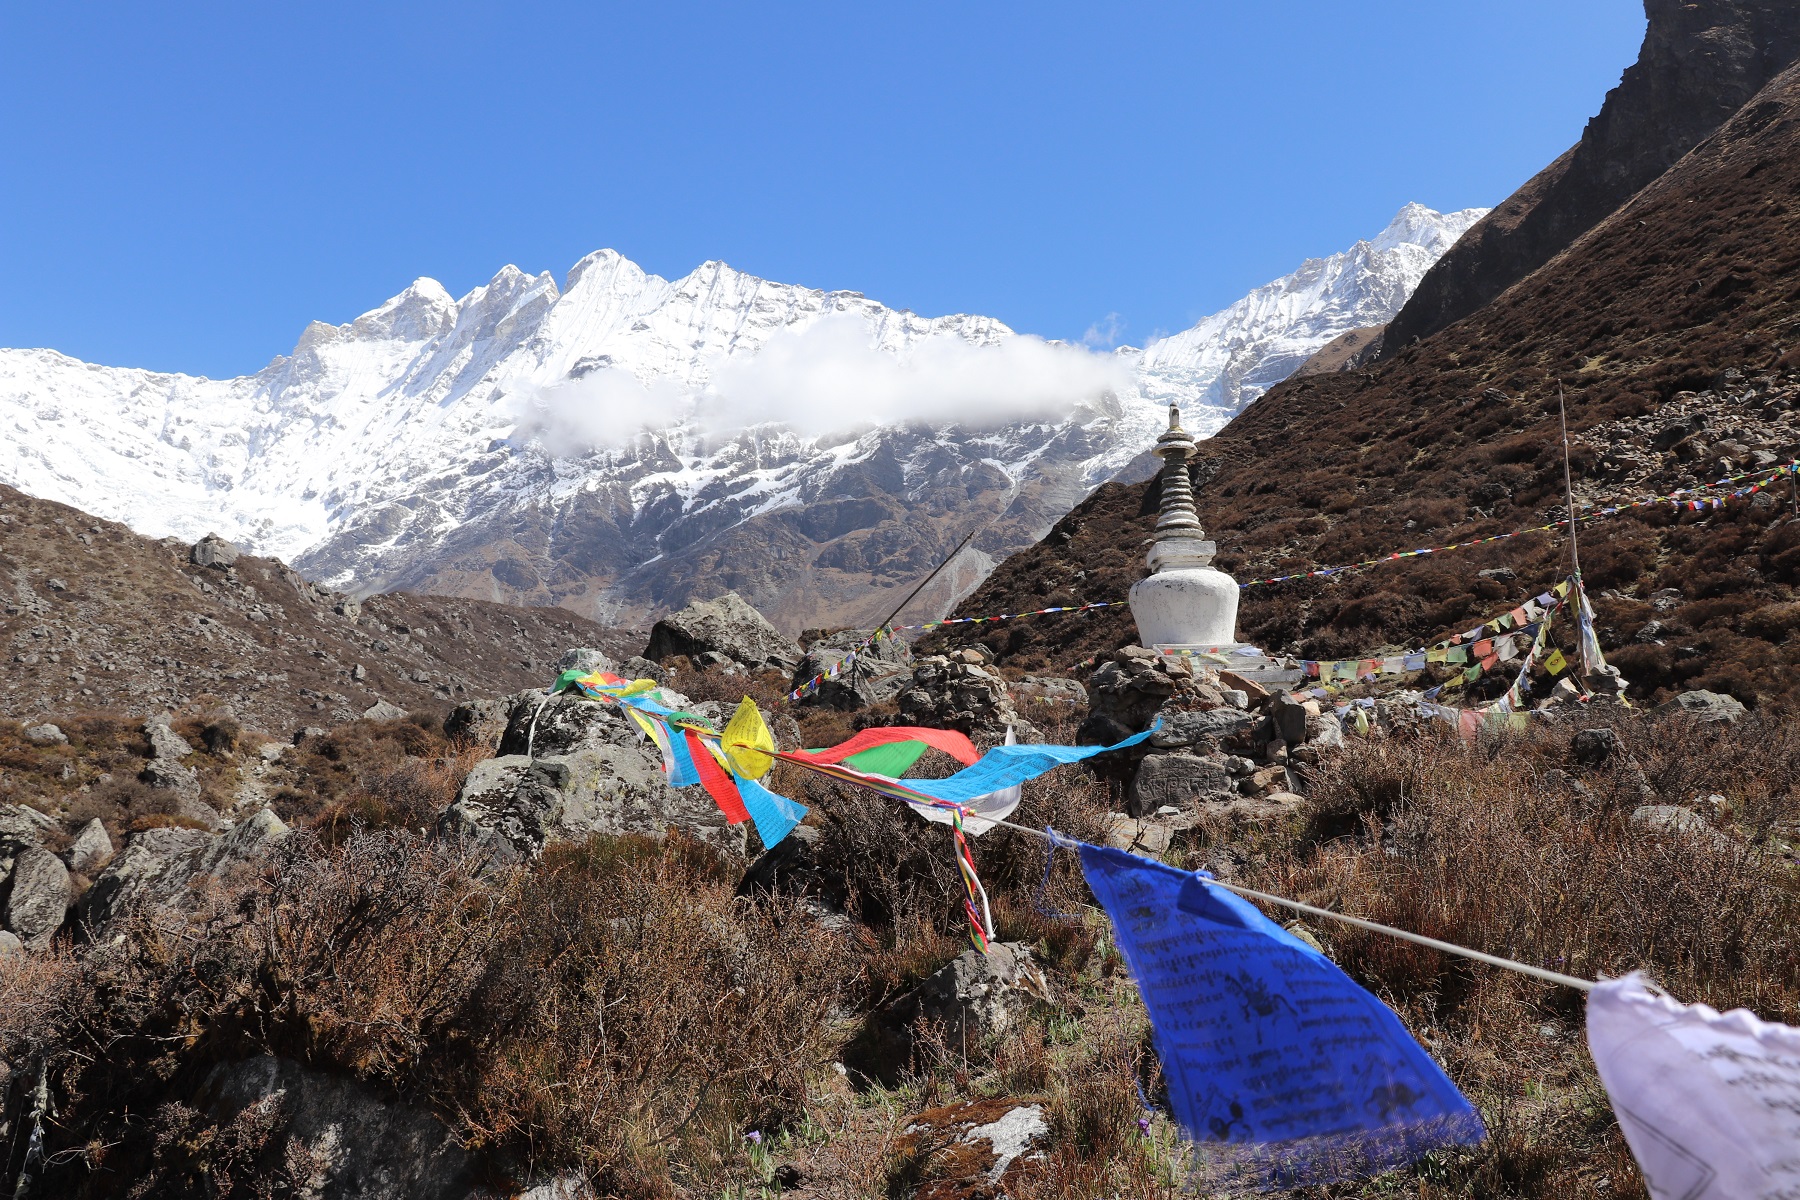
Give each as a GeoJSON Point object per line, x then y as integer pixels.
{"type": "Point", "coordinates": [609, 444]}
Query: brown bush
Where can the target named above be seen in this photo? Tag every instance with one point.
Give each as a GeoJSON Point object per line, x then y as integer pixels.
{"type": "Point", "coordinates": [613, 1011]}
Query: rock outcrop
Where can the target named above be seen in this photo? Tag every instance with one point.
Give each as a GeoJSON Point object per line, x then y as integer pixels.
{"type": "Point", "coordinates": [727, 627]}
{"type": "Point", "coordinates": [960, 1009]}
{"type": "Point", "coordinates": [356, 1145]}
{"type": "Point", "coordinates": [161, 866]}
{"type": "Point", "coordinates": [582, 769]}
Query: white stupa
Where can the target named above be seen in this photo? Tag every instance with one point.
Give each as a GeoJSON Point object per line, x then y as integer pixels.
{"type": "Point", "coordinates": [1184, 601]}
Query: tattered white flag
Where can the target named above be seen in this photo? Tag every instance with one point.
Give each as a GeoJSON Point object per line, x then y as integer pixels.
{"type": "Point", "coordinates": [1709, 1103]}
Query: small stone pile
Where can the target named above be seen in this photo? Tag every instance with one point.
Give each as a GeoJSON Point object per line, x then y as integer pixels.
{"type": "Point", "coordinates": [960, 691]}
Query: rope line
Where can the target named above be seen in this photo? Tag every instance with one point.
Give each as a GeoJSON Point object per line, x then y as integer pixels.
{"type": "Point", "coordinates": [1493, 960]}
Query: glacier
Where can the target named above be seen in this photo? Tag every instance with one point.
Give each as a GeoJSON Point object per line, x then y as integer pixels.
{"type": "Point", "coordinates": [623, 442]}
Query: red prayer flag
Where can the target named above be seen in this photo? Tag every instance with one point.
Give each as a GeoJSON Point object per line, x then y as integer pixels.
{"type": "Point", "coordinates": [954, 744]}
{"type": "Point", "coordinates": [714, 779]}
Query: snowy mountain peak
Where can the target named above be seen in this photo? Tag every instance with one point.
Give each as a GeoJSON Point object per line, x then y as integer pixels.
{"type": "Point", "coordinates": [492, 445]}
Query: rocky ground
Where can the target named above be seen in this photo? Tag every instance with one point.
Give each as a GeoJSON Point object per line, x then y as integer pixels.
{"type": "Point", "coordinates": [174, 887]}
{"type": "Point", "coordinates": [95, 617]}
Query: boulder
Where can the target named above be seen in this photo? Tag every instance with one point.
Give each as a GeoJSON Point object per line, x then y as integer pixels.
{"type": "Point", "coordinates": [160, 866]}
{"type": "Point", "coordinates": [870, 679]}
{"type": "Point", "coordinates": [91, 848]}
{"type": "Point", "coordinates": [381, 710]}
{"type": "Point", "coordinates": [45, 735]}
{"type": "Point", "coordinates": [355, 1143]}
{"type": "Point", "coordinates": [213, 551]}
{"type": "Point", "coordinates": [1289, 718]}
{"type": "Point", "coordinates": [791, 868]}
{"type": "Point", "coordinates": [1672, 818]}
{"type": "Point", "coordinates": [1177, 781]}
{"type": "Point", "coordinates": [1205, 731]}
{"type": "Point", "coordinates": [39, 899]}
{"type": "Point", "coordinates": [165, 744]}
{"type": "Point", "coordinates": [1708, 708]}
{"type": "Point", "coordinates": [975, 1150]}
{"type": "Point", "coordinates": [592, 773]}
{"type": "Point", "coordinates": [1591, 747]}
{"type": "Point", "coordinates": [963, 1008]}
{"type": "Point", "coordinates": [10, 944]}
{"type": "Point", "coordinates": [728, 626]}
{"type": "Point", "coordinates": [586, 661]}
{"type": "Point", "coordinates": [478, 722]}
{"type": "Point", "coordinates": [21, 827]}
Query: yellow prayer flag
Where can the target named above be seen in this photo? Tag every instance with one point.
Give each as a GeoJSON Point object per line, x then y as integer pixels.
{"type": "Point", "coordinates": [747, 742]}
{"type": "Point", "coordinates": [1556, 663]}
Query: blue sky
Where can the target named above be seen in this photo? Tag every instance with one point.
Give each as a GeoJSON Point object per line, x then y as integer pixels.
{"type": "Point", "coordinates": [184, 187]}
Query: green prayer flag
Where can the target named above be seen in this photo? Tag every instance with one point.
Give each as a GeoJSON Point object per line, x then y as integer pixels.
{"type": "Point", "coordinates": [891, 760]}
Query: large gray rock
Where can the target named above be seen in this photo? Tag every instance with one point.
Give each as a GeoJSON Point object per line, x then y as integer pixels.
{"type": "Point", "coordinates": [160, 866]}
{"type": "Point", "coordinates": [592, 773]}
{"type": "Point", "coordinates": [91, 848]}
{"type": "Point", "coordinates": [381, 710]}
{"type": "Point", "coordinates": [479, 722]}
{"type": "Point", "coordinates": [39, 899]}
{"type": "Point", "coordinates": [10, 944]}
{"type": "Point", "coordinates": [1709, 708]}
{"type": "Point", "coordinates": [45, 735]}
{"type": "Point", "coordinates": [21, 826]}
{"type": "Point", "coordinates": [586, 661]}
{"type": "Point", "coordinates": [213, 551]}
{"type": "Point", "coordinates": [165, 744]}
{"type": "Point", "coordinates": [1203, 730]}
{"type": "Point", "coordinates": [360, 1146]}
{"type": "Point", "coordinates": [727, 626]}
{"type": "Point", "coordinates": [1178, 780]}
{"type": "Point", "coordinates": [874, 676]}
{"type": "Point", "coordinates": [969, 1003]}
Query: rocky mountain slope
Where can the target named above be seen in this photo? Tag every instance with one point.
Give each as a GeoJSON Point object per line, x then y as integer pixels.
{"type": "Point", "coordinates": [1699, 64]}
{"type": "Point", "coordinates": [92, 616]}
{"type": "Point", "coordinates": [623, 443]}
{"type": "Point", "coordinates": [1672, 326]}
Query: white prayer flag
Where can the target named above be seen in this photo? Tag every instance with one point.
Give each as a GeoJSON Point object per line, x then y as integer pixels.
{"type": "Point", "coordinates": [1709, 1103]}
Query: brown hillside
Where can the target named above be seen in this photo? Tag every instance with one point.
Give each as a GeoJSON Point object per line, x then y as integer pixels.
{"type": "Point", "coordinates": [1700, 62]}
{"type": "Point", "coordinates": [92, 616]}
{"type": "Point", "coordinates": [1672, 324]}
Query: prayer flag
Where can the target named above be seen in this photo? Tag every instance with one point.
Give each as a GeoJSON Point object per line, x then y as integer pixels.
{"type": "Point", "coordinates": [1708, 1103]}
{"type": "Point", "coordinates": [775, 816]}
{"type": "Point", "coordinates": [684, 770]}
{"type": "Point", "coordinates": [747, 742]}
{"type": "Point", "coordinates": [715, 779]}
{"type": "Point", "coordinates": [1415, 662]}
{"type": "Point", "coordinates": [1483, 648]}
{"type": "Point", "coordinates": [1556, 664]}
{"type": "Point", "coordinates": [1437, 656]}
{"type": "Point", "coordinates": [1283, 1071]}
{"type": "Point", "coordinates": [1458, 654]}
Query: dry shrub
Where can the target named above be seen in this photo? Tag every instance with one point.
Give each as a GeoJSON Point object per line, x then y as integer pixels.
{"type": "Point", "coordinates": [408, 794]}
{"type": "Point", "coordinates": [614, 1010]}
{"type": "Point", "coordinates": [637, 1012]}
{"type": "Point", "coordinates": [1508, 845]}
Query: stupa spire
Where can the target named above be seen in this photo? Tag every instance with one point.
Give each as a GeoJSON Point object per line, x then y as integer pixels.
{"type": "Point", "coordinates": [1176, 515]}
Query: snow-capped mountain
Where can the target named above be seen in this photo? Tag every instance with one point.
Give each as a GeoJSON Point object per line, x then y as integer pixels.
{"type": "Point", "coordinates": [624, 442]}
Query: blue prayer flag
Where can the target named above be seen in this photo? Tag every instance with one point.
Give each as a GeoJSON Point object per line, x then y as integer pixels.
{"type": "Point", "coordinates": [685, 773]}
{"type": "Point", "coordinates": [1283, 1071]}
{"type": "Point", "coordinates": [1003, 766]}
{"type": "Point", "coordinates": [775, 815]}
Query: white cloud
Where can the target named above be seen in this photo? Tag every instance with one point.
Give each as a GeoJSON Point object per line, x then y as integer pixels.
{"type": "Point", "coordinates": [826, 376]}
